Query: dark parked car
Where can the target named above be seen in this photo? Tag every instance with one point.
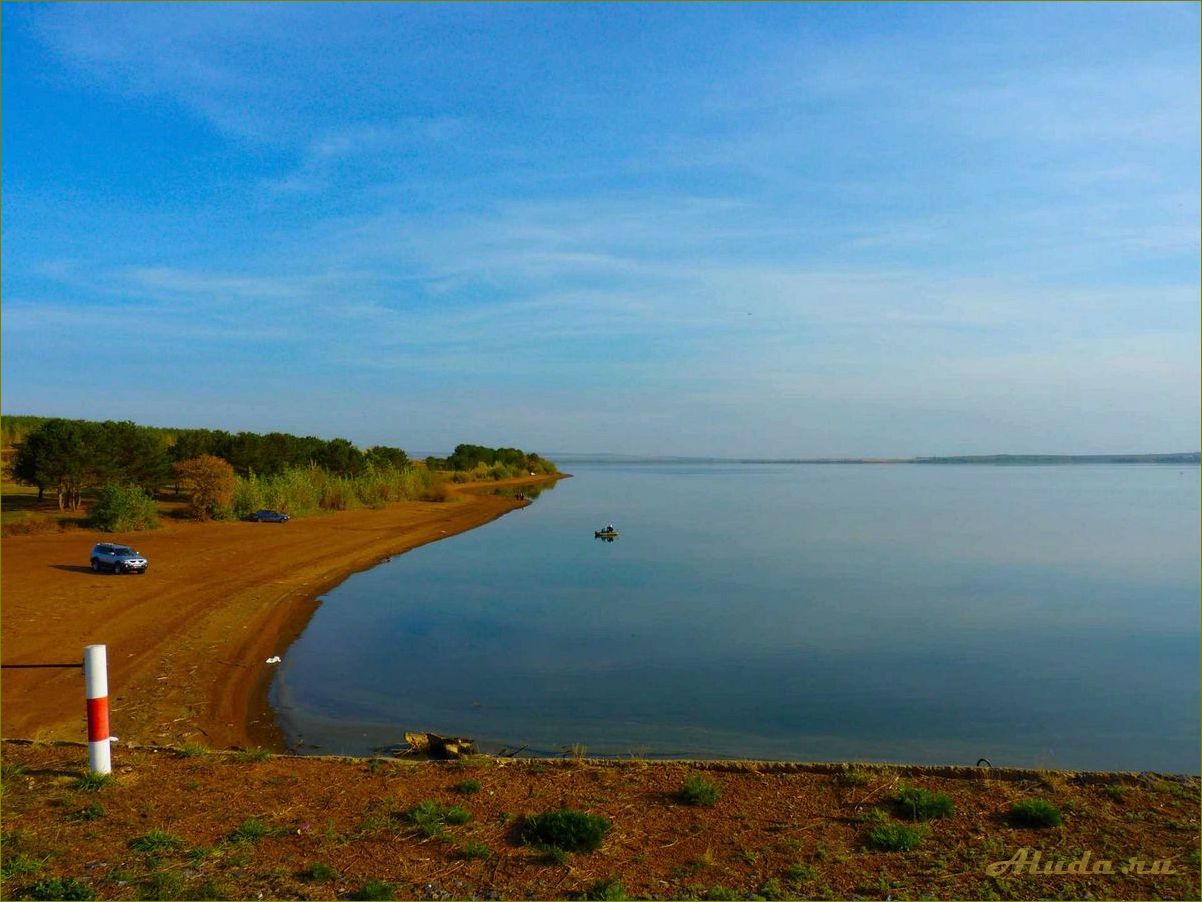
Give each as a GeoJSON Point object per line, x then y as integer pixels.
{"type": "Point", "coordinates": [118, 558]}
{"type": "Point", "coordinates": [269, 517]}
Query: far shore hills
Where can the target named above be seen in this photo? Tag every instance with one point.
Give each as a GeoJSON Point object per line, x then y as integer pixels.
{"type": "Point", "coordinates": [1186, 457]}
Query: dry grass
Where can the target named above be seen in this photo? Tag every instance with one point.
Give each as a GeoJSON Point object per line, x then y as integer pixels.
{"type": "Point", "coordinates": [777, 832]}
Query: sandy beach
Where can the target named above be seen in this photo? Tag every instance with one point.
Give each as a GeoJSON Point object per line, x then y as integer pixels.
{"type": "Point", "coordinates": [187, 642]}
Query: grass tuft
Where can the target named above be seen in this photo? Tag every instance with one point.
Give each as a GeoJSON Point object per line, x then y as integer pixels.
{"type": "Point", "coordinates": [922, 804]}
{"type": "Point", "coordinates": [853, 776]}
{"type": "Point", "coordinates": [374, 890]}
{"type": "Point", "coordinates": [1035, 813]}
{"type": "Point", "coordinates": [894, 838]}
{"type": "Point", "coordinates": [92, 782]}
{"type": "Point", "coordinates": [569, 830]}
{"type": "Point", "coordinates": [155, 842]}
{"type": "Point", "coordinates": [800, 872]}
{"type": "Point", "coordinates": [252, 830]}
{"type": "Point", "coordinates": [609, 890]}
{"type": "Point", "coordinates": [431, 818]}
{"type": "Point", "coordinates": [318, 871]}
{"type": "Point", "coordinates": [191, 750]}
{"type": "Point", "coordinates": [473, 850]}
{"type": "Point", "coordinates": [246, 756]}
{"type": "Point", "coordinates": [18, 865]}
{"type": "Point", "coordinates": [56, 888]}
{"type": "Point", "coordinates": [467, 787]}
{"type": "Point", "coordinates": [698, 791]}
{"type": "Point", "coordinates": [92, 812]}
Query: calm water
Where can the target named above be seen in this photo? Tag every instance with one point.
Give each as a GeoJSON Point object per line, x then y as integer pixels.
{"type": "Point", "coordinates": [1035, 616]}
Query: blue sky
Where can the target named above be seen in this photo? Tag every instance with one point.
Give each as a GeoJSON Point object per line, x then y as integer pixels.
{"type": "Point", "coordinates": [654, 229]}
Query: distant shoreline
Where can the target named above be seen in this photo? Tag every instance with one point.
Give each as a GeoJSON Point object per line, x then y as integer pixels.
{"type": "Point", "coordinates": [1182, 458]}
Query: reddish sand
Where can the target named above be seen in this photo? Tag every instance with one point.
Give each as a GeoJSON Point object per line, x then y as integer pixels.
{"type": "Point", "coordinates": [187, 642]}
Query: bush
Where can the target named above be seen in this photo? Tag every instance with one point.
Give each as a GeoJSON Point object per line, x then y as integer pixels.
{"type": "Point", "coordinates": [123, 508]}
{"type": "Point", "coordinates": [572, 831]}
{"type": "Point", "coordinates": [1035, 813]}
{"type": "Point", "coordinates": [209, 483]}
{"type": "Point", "coordinates": [894, 838]}
{"type": "Point", "coordinates": [467, 787]}
{"type": "Point", "coordinates": [698, 791]}
{"type": "Point", "coordinates": [922, 804]}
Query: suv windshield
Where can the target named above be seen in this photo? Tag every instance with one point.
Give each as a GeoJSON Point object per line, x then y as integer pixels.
{"type": "Point", "coordinates": [121, 549]}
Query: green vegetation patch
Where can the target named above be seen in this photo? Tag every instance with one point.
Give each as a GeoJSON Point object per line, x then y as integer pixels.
{"type": "Point", "coordinates": [698, 791]}
{"type": "Point", "coordinates": [567, 829]}
{"type": "Point", "coordinates": [473, 850]}
{"type": "Point", "coordinates": [123, 508]}
{"type": "Point", "coordinates": [252, 830]}
{"type": "Point", "coordinates": [56, 888]}
{"type": "Point", "coordinates": [609, 889]}
{"type": "Point", "coordinates": [1035, 813]}
{"type": "Point", "coordinates": [155, 842]}
{"type": "Point", "coordinates": [894, 838]}
{"type": "Point", "coordinates": [375, 890]}
{"type": "Point", "coordinates": [431, 818]}
{"type": "Point", "coordinates": [91, 782]}
{"type": "Point", "coordinates": [922, 804]}
{"type": "Point", "coordinates": [18, 865]}
{"type": "Point", "coordinates": [467, 787]}
{"type": "Point", "coordinates": [800, 872]}
{"type": "Point", "coordinates": [318, 871]}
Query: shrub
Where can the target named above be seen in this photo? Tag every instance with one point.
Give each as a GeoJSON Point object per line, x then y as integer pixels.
{"type": "Point", "coordinates": [123, 508]}
{"type": "Point", "coordinates": [894, 838]}
{"type": "Point", "coordinates": [467, 787]}
{"type": "Point", "coordinates": [375, 890]}
{"type": "Point", "coordinates": [1035, 813]}
{"type": "Point", "coordinates": [922, 804]}
{"type": "Point", "coordinates": [209, 483]}
{"type": "Point", "coordinates": [698, 791]}
{"type": "Point", "coordinates": [572, 831]}
{"type": "Point", "coordinates": [437, 491]}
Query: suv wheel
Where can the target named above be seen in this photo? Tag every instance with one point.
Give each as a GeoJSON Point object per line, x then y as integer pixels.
{"type": "Point", "coordinates": [118, 568]}
{"type": "Point", "coordinates": [95, 565]}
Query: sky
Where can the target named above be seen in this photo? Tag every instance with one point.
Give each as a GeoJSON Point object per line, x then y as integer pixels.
{"type": "Point", "coordinates": [719, 229]}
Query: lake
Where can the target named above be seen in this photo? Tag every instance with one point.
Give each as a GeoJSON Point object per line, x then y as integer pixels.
{"type": "Point", "coordinates": [1038, 616]}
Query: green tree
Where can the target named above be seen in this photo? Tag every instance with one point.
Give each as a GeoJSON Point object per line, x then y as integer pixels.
{"type": "Point", "coordinates": [383, 456]}
{"type": "Point", "coordinates": [59, 454]}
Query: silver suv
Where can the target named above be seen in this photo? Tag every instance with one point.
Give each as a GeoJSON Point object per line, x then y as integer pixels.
{"type": "Point", "coordinates": [118, 558]}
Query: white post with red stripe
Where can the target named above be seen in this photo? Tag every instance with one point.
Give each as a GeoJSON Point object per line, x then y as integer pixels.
{"type": "Point", "coordinates": [96, 682]}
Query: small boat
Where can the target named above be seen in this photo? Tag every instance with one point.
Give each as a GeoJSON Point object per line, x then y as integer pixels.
{"type": "Point", "coordinates": [607, 533]}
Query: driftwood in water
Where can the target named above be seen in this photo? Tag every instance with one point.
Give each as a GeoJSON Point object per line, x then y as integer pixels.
{"type": "Point", "coordinates": [439, 746]}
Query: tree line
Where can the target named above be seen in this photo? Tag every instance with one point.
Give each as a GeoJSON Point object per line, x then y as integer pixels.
{"type": "Point", "coordinates": [70, 457]}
